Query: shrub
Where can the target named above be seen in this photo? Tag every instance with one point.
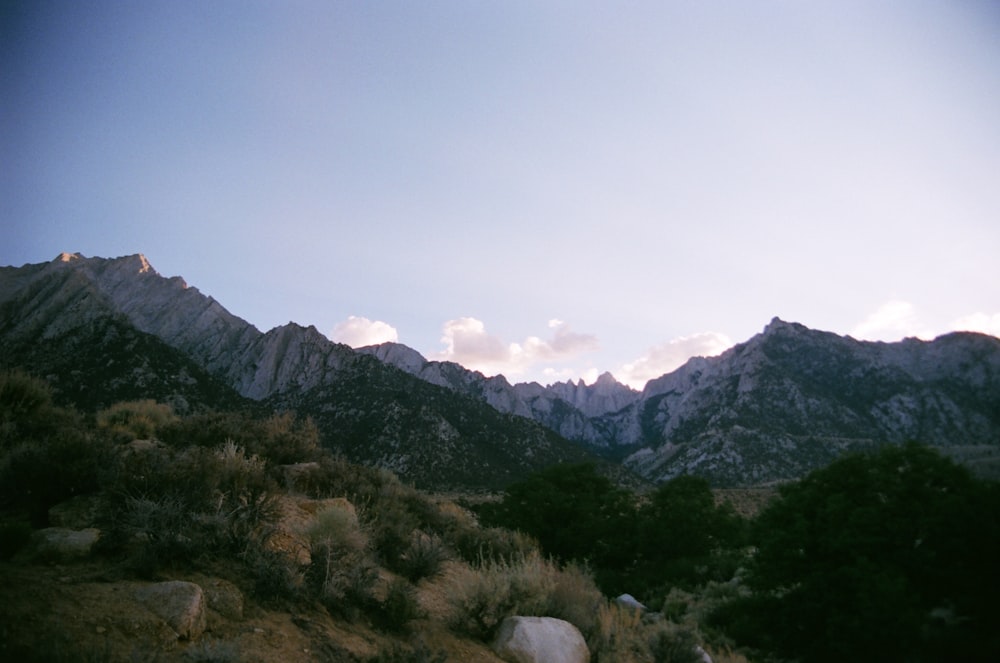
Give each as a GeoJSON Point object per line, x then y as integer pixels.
{"type": "Point", "coordinates": [575, 598]}
{"type": "Point", "coordinates": [142, 419]}
{"type": "Point", "coordinates": [618, 635]}
{"type": "Point", "coordinates": [419, 653]}
{"type": "Point", "coordinates": [423, 557]}
{"type": "Point", "coordinates": [283, 439]}
{"type": "Point", "coordinates": [529, 586]}
{"type": "Point", "coordinates": [24, 404]}
{"type": "Point", "coordinates": [37, 474]}
{"type": "Point", "coordinates": [859, 559]}
{"type": "Point", "coordinates": [341, 573]}
{"type": "Point", "coordinates": [477, 545]}
{"type": "Point", "coordinates": [400, 606]}
{"type": "Point", "coordinates": [246, 502]}
{"type": "Point", "coordinates": [274, 575]}
{"type": "Point", "coordinates": [674, 645]}
{"type": "Point", "coordinates": [13, 536]}
{"type": "Point", "coordinates": [337, 527]}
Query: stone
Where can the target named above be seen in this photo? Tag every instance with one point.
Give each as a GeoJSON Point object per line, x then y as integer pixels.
{"type": "Point", "coordinates": [540, 640]}
{"type": "Point", "coordinates": [180, 604]}
{"type": "Point", "coordinates": [58, 544]}
{"type": "Point", "coordinates": [78, 512]}
{"type": "Point", "coordinates": [224, 597]}
{"type": "Point", "coordinates": [629, 601]}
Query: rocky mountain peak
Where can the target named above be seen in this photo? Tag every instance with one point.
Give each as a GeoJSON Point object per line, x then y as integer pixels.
{"type": "Point", "coordinates": [606, 379]}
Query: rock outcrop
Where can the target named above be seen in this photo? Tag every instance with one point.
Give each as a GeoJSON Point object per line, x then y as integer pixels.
{"type": "Point", "coordinates": [60, 544]}
{"type": "Point", "coordinates": [540, 640]}
{"type": "Point", "coordinates": [180, 604]}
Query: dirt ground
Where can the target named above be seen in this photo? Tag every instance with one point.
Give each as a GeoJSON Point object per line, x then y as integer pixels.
{"type": "Point", "coordinates": [80, 612]}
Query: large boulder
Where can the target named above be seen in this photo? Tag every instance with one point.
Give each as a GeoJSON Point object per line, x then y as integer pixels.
{"type": "Point", "coordinates": [540, 640]}
{"type": "Point", "coordinates": [59, 544]}
{"type": "Point", "coordinates": [180, 604]}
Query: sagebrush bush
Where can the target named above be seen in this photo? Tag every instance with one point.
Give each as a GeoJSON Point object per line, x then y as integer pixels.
{"type": "Point", "coordinates": [341, 572]}
{"type": "Point", "coordinates": [245, 497]}
{"type": "Point", "coordinates": [672, 644]}
{"type": "Point", "coordinates": [132, 420]}
{"type": "Point", "coordinates": [529, 586]}
{"type": "Point", "coordinates": [37, 474]}
{"type": "Point", "coordinates": [25, 402]}
{"type": "Point", "coordinates": [618, 636]}
{"type": "Point", "coordinates": [274, 575]}
{"type": "Point", "coordinates": [399, 607]}
{"type": "Point", "coordinates": [476, 545]}
{"type": "Point", "coordinates": [337, 526]}
{"type": "Point", "coordinates": [423, 558]}
{"type": "Point", "coordinates": [164, 505]}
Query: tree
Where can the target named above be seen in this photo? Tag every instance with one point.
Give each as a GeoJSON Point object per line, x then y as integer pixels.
{"type": "Point", "coordinates": [683, 531]}
{"type": "Point", "coordinates": [888, 556]}
{"type": "Point", "coordinates": [573, 512]}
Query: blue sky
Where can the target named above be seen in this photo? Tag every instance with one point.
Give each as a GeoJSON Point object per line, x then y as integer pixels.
{"type": "Point", "coordinates": [543, 189]}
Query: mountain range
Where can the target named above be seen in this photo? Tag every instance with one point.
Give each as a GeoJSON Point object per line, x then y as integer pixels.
{"type": "Point", "coordinates": [786, 401]}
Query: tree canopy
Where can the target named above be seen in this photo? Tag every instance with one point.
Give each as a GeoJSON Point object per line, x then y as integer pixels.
{"type": "Point", "coordinates": [887, 556]}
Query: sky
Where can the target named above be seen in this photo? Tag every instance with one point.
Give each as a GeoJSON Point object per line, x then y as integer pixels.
{"type": "Point", "coordinates": [545, 189]}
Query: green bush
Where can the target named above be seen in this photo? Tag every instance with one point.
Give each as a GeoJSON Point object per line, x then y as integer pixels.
{"type": "Point", "coordinates": [38, 474]}
{"type": "Point", "coordinates": [423, 558]}
{"type": "Point", "coordinates": [136, 420]}
{"type": "Point", "coordinates": [400, 607]}
{"type": "Point", "coordinates": [275, 576]}
{"type": "Point", "coordinates": [165, 506]}
{"type": "Point", "coordinates": [341, 573]}
{"type": "Point", "coordinates": [25, 403]}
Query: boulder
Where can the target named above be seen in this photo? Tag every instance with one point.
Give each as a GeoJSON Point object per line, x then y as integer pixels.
{"type": "Point", "coordinates": [540, 640]}
{"type": "Point", "coordinates": [224, 597]}
{"type": "Point", "coordinates": [77, 512]}
{"type": "Point", "coordinates": [59, 544]}
{"type": "Point", "coordinates": [180, 604]}
{"type": "Point", "coordinates": [629, 601]}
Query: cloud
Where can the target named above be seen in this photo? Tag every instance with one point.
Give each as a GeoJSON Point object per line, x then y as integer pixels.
{"type": "Point", "coordinates": [898, 319]}
{"type": "Point", "coordinates": [978, 322]}
{"type": "Point", "coordinates": [892, 321]}
{"type": "Point", "coordinates": [358, 332]}
{"type": "Point", "coordinates": [666, 357]}
{"type": "Point", "coordinates": [468, 343]}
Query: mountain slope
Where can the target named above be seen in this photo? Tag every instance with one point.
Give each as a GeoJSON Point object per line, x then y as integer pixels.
{"type": "Point", "coordinates": [124, 331]}
{"type": "Point", "coordinates": [791, 399]}
{"type": "Point", "coordinates": [784, 402]}
{"type": "Point", "coordinates": [570, 409]}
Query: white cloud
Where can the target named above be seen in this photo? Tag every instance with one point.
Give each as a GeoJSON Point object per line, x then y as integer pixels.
{"type": "Point", "coordinates": [892, 321]}
{"type": "Point", "coordinates": [978, 322]}
{"type": "Point", "coordinates": [468, 343]}
{"type": "Point", "coordinates": [897, 319]}
{"type": "Point", "coordinates": [666, 357]}
{"type": "Point", "coordinates": [358, 332]}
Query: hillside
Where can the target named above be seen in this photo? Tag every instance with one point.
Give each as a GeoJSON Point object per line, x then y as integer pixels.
{"type": "Point", "coordinates": [786, 401]}
{"type": "Point", "coordinates": [111, 330]}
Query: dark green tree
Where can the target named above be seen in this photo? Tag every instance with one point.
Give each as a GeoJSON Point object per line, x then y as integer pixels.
{"type": "Point", "coordinates": [683, 535]}
{"type": "Point", "coordinates": [887, 556]}
{"type": "Point", "coordinates": [573, 512]}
